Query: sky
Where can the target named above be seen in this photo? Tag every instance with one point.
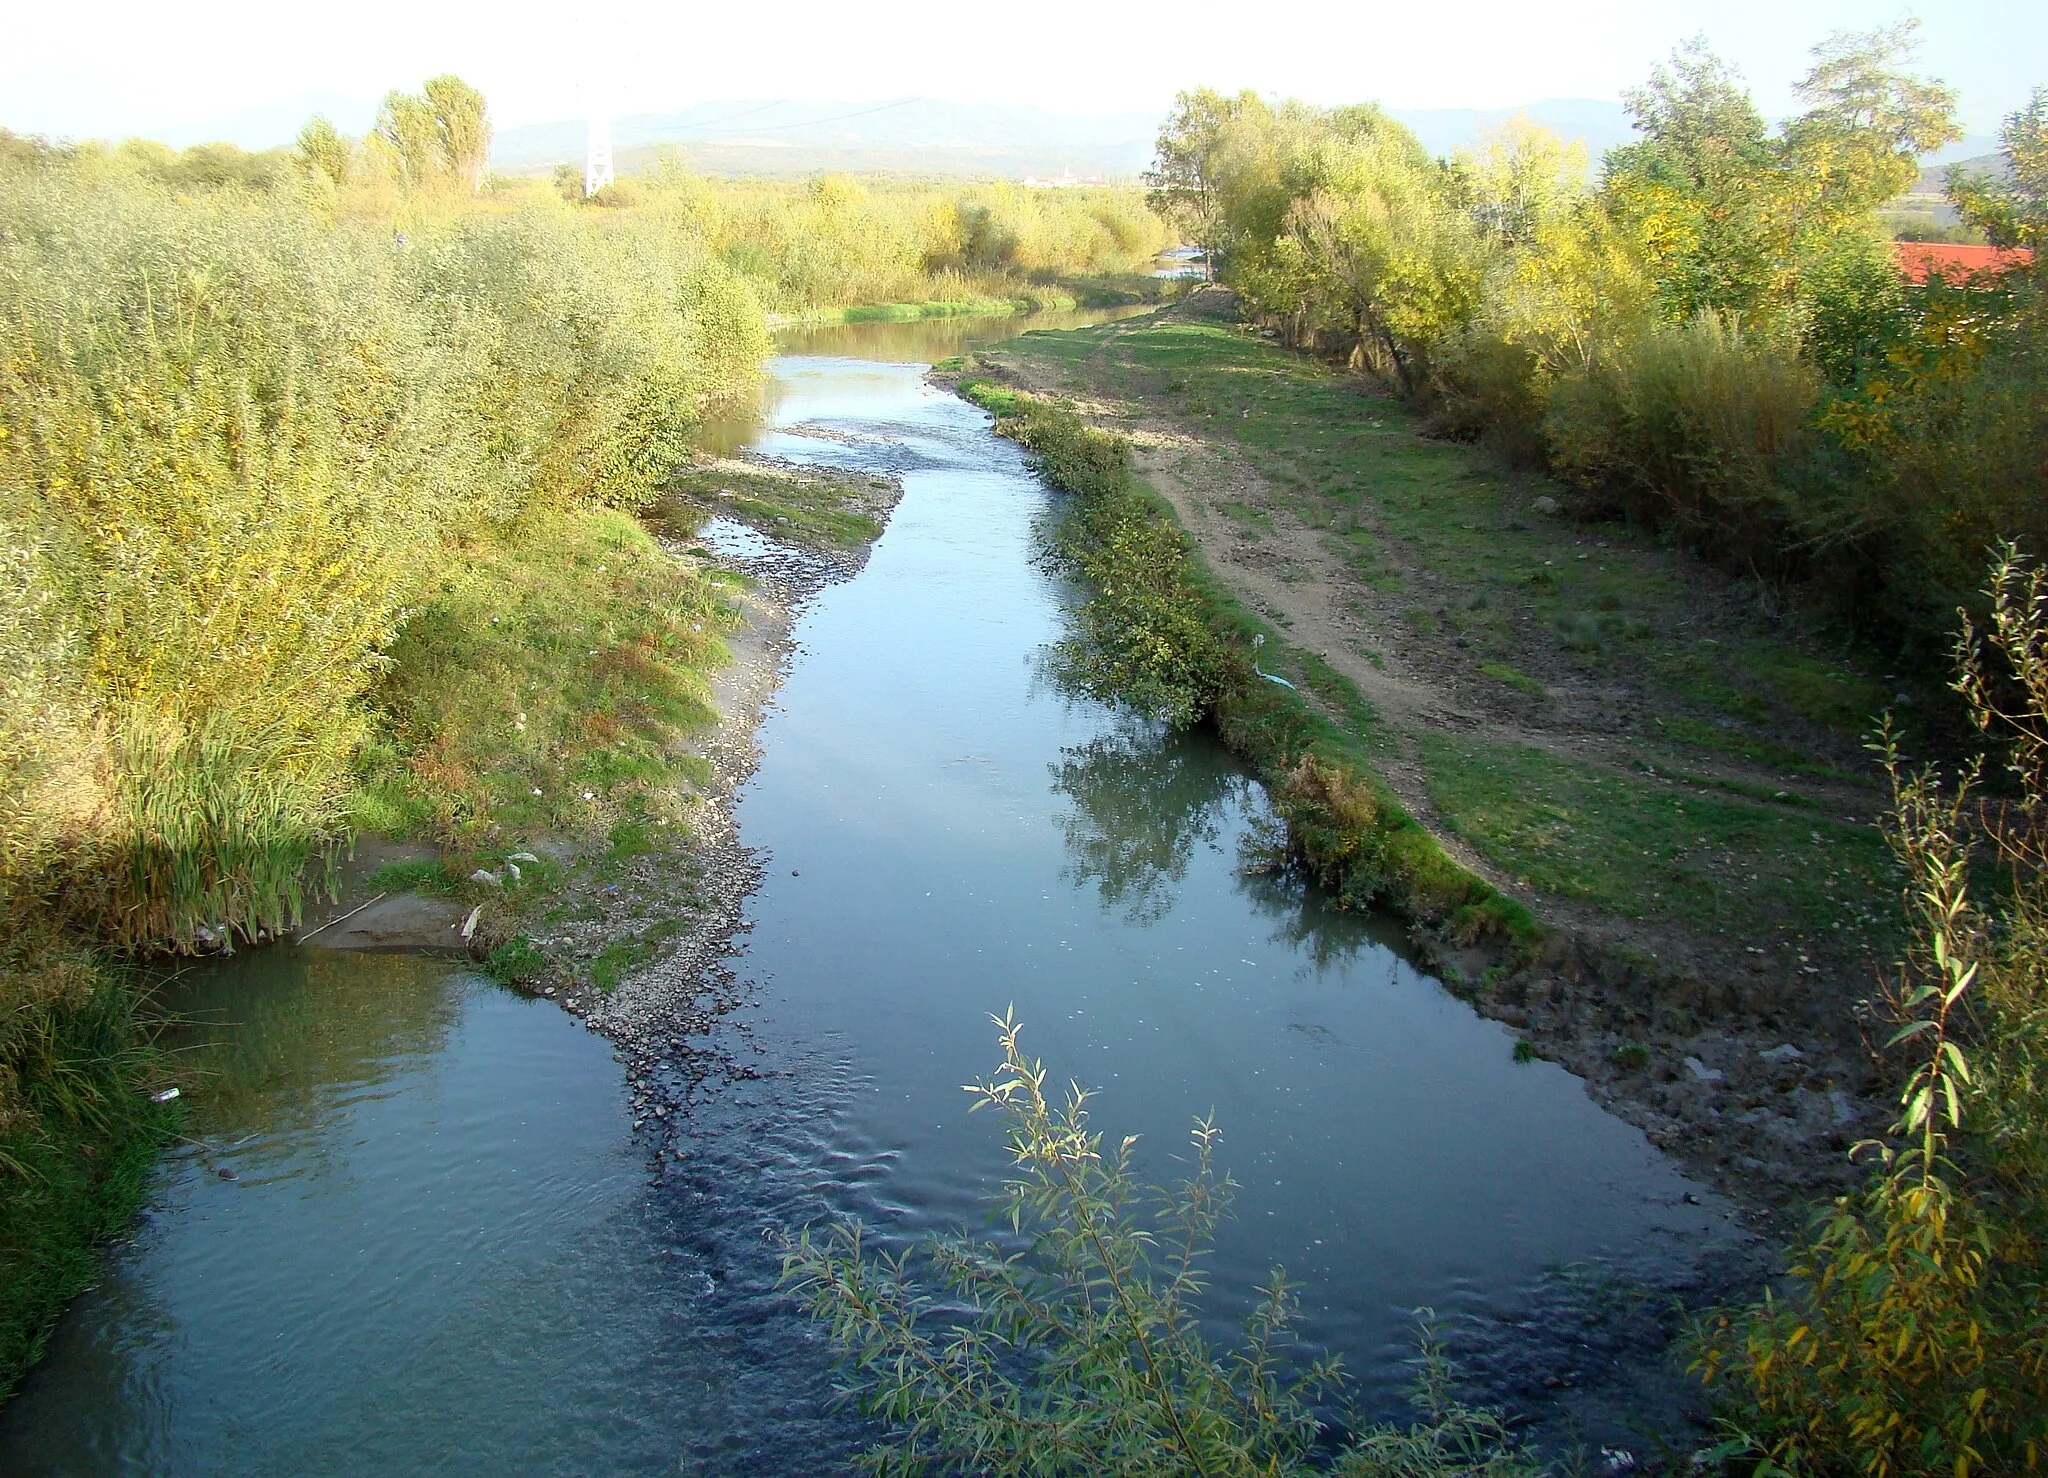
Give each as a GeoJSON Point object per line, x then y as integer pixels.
{"type": "Point", "coordinates": [112, 69]}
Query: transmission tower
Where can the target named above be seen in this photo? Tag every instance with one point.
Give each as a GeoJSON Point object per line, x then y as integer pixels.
{"type": "Point", "coordinates": [597, 155]}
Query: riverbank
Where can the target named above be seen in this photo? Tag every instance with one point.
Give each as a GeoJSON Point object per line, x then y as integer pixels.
{"type": "Point", "coordinates": [581, 655]}
{"type": "Point", "coordinates": [622, 912]}
{"type": "Point", "coordinates": [1623, 743]}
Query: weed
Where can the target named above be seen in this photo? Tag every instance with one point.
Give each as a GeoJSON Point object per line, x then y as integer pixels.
{"type": "Point", "coordinates": [1629, 1057]}
{"type": "Point", "coordinates": [1514, 678]}
{"type": "Point", "coordinates": [428, 875]}
{"type": "Point", "coordinates": [518, 961]}
{"type": "Point", "coordinates": [1116, 1374]}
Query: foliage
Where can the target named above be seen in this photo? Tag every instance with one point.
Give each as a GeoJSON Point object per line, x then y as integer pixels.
{"type": "Point", "coordinates": [1689, 426]}
{"type": "Point", "coordinates": [1157, 634]}
{"type": "Point", "coordinates": [2012, 212]}
{"type": "Point", "coordinates": [1143, 637]}
{"type": "Point", "coordinates": [1073, 1345]}
{"type": "Point", "coordinates": [237, 444]}
{"type": "Point", "coordinates": [77, 1129]}
{"type": "Point", "coordinates": [507, 709]}
{"type": "Point", "coordinates": [1914, 1337]}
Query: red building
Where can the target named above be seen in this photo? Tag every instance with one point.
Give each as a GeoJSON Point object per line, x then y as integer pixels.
{"type": "Point", "coordinates": [1919, 260]}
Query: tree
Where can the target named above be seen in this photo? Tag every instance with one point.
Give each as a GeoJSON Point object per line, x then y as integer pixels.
{"type": "Point", "coordinates": [1518, 177]}
{"type": "Point", "coordinates": [1184, 175]}
{"type": "Point", "coordinates": [2012, 212]}
{"type": "Point", "coordinates": [1860, 142]}
{"type": "Point", "coordinates": [406, 123]}
{"type": "Point", "coordinates": [463, 125]}
{"type": "Point", "coordinates": [1731, 216]}
{"type": "Point", "coordinates": [441, 132]}
{"type": "Point", "coordinates": [1382, 245]}
{"type": "Point", "coordinates": [322, 148]}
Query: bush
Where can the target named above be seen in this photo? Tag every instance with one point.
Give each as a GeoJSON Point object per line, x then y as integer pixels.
{"type": "Point", "coordinates": [1689, 426]}
{"type": "Point", "coordinates": [77, 1130]}
{"type": "Point", "coordinates": [1081, 1352]}
{"type": "Point", "coordinates": [236, 444]}
{"type": "Point", "coordinates": [1913, 1338]}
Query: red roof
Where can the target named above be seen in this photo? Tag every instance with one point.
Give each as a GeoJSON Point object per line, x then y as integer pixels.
{"type": "Point", "coordinates": [1919, 260]}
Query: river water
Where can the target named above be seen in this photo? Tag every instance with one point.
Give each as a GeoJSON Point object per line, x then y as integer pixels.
{"type": "Point", "coordinates": [414, 1232]}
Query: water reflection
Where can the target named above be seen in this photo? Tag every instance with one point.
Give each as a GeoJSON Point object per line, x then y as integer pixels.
{"type": "Point", "coordinates": [1137, 802]}
{"type": "Point", "coordinates": [287, 1040]}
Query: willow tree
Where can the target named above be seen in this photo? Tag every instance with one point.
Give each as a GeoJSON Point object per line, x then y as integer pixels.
{"type": "Point", "coordinates": [462, 122]}
{"type": "Point", "coordinates": [1387, 254]}
{"type": "Point", "coordinates": [440, 133]}
{"type": "Point", "coordinates": [321, 147]}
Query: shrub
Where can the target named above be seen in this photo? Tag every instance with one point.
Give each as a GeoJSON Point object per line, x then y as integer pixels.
{"type": "Point", "coordinates": [236, 444]}
{"type": "Point", "coordinates": [1081, 1351]}
{"type": "Point", "coordinates": [1913, 1338]}
{"type": "Point", "coordinates": [1689, 427]}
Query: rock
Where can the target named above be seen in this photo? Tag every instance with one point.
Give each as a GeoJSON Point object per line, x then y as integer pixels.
{"type": "Point", "coordinates": [1845, 1111]}
{"type": "Point", "coordinates": [1704, 1073]}
{"type": "Point", "coordinates": [1545, 505]}
{"type": "Point", "coordinates": [1785, 1052]}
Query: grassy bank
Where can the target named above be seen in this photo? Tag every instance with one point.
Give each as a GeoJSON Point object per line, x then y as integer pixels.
{"type": "Point", "coordinates": [78, 1131]}
{"type": "Point", "coordinates": [1156, 630]}
{"type": "Point", "coordinates": [1059, 294]}
{"type": "Point", "coordinates": [1605, 722]}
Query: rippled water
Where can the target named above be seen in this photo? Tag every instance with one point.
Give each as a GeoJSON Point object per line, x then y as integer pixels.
{"type": "Point", "coordinates": [443, 1251]}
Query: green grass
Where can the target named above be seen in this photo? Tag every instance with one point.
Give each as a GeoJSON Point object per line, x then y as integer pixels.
{"type": "Point", "coordinates": [1523, 595]}
{"type": "Point", "coordinates": [1194, 638]}
{"type": "Point", "coordinates": [1513, 677]}
{"type": "Point", "coordinates": [1601, 598]}
{"type": "Point", "coordinates": [78, 1132]}
{"type": "Point", "coordinates": [1646, 848]}
{"type": "Point", "coordinates": [429, 875]}
{"type": "Point", "coordinates": [548, 688]}
{"type": "Point", "coordinates": [616, 960]}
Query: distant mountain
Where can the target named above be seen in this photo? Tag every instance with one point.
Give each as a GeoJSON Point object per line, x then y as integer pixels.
{"type": "Point", "coordinates": [919, 135]}
{"type": "Point", "coordinates": [926, 136]}
{"type": "Point", "coordinates": [274, 124]}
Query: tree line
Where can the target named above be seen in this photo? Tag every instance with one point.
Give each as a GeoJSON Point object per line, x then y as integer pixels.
{"type": "Point", "coordinates": [1711, 337]}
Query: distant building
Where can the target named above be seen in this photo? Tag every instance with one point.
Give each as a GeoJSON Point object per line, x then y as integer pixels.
{"type": "Point", "coordinates": [1064, 180]}
{"type": "Point", "coordinates": [1920, 260]}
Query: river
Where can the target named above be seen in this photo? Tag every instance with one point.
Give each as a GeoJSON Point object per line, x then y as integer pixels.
{"type": "Point", "coordinates": [413, 1231]}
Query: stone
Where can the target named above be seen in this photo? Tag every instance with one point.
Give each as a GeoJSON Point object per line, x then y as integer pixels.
{"type": "Point", "coordinates": [1545, 505]}
{"type": "Point", "coordinates": [1785, 1052]}
{"type": "Point", "coordinates": [1704, 1073]}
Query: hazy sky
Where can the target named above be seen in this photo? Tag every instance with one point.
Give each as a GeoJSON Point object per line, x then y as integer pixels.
{"type": "Point", "coordinates": [109, 69]}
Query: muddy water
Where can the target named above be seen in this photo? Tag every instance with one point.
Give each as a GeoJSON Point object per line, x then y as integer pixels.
{"type": "Point", "coordinates": [416, 1233]}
